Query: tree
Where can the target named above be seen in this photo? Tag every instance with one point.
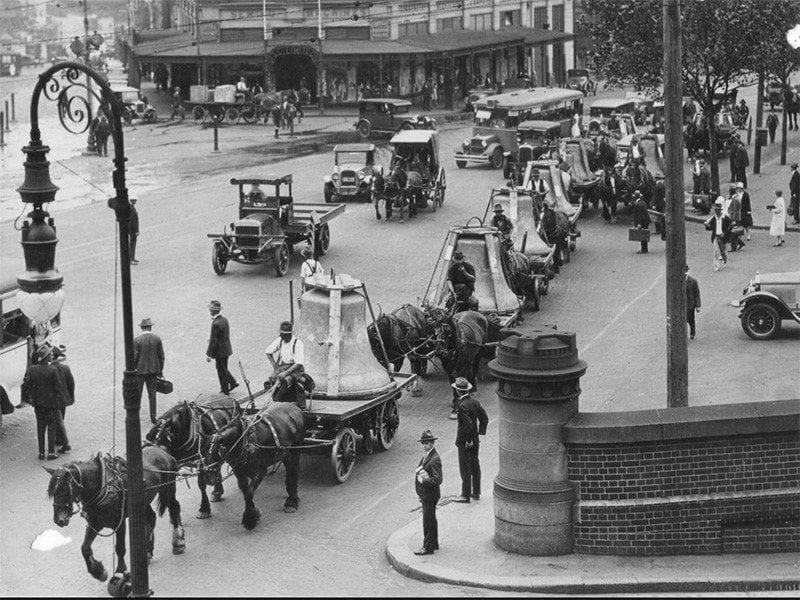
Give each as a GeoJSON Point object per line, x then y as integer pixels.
{"type": "Point", "coordinates": [719, 38]}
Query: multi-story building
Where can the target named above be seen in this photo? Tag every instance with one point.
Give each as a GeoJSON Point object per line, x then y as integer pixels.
{"type": "Point", "coordinates": [337, 45]}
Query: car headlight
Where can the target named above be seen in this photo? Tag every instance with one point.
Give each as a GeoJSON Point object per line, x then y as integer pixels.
{"type": "Point", "coordinates": [361, 176]}
{"type": "Point", "coordinates": [335, 177]}
{"type": "Point", "coordinates": [484, 144]}
{"type": "Point", "coordinates": [465, 144]}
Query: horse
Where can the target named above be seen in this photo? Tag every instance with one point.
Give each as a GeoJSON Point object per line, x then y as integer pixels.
{"type": "Point", "coordinates": [99, 488]}
{"type": "Point", "coordinates": [461, 341]}
{"type": "Point", "coordinates": [639, 178]}
{"type": "Point", "coordinates": [554, 229]}
{"type": "Point", "coordinates": [404, 333]}
{"type": "Point", "coordinates": [185, 431]}
{"type": "Point", "coordinates": [610, 189]}
{"type": "Point", "coordinates": [252, 445]}
{"type": "Point", "coordinates": [400, 188]}
{"type": "Point", "coordinates": [606, 152]}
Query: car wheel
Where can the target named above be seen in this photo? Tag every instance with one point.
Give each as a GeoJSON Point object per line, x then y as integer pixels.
{"type": "Point", "coordinates": [281, 258]}
{"type": "Point", "coordinates": [507, 167]}
{"type": "Point", "coordinates": [461, 164]}
{"type": "Point", "coordinates": [497, 158]}
{"type": "Point", "coordinates": [323, 239]}
{"type": "Point", "coordinates": [364, 129]}
{"type": "Point", "coordinates": [761, 321]}
{"type": "Point", "coordinates": [328, 193]}
{"type": "Point", "coordinates": [219, 258]}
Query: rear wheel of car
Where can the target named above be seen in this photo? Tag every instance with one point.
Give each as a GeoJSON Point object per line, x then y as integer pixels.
{"type": "Point", "coordinates": [364, 129]}
{"type": "Point", "coordinates": [497, 158]}
{"type": "Point", "coordinates": [461, 164]}
{"type": "Point", "coordinates": [507, 167]}
{"type": "Point", "coordinates": [761, 321]}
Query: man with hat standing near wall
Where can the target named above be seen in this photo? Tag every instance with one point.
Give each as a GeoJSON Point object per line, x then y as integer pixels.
{"type": "Point", "coordinates": [427, 483]}
{"type": "Point", "coordinates": [148, 358]}
{"type": "Point", "coordinates": [719, 225]}
{"type": "Point", "coordinates": [219, 347]}
{"type": "Point", "coordinates": [472, 423]}
{"type": "Point", "coordinates": [461, 282]}
{"type": "Point", "coordinates": [286, 355]}
{"type": "Point", "coordinates": [47, 394]}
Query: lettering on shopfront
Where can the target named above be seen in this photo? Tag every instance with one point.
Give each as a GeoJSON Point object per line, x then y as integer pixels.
{"type": "Point", "coordinates": [301, 50]}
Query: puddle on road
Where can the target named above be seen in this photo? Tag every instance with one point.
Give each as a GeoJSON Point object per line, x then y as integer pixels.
{"type": "Point", "coordinates": [48, 540]}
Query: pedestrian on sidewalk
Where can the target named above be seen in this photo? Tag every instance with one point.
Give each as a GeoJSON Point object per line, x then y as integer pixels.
{"type": "Point", "coordinates": [692, 302]}
{"type": "Point", "coordinates": [778, 225]}
{"type": "Point", "coordinates": [719, 225]}
{"type": "Point", "coordinates": [68, 383]}
{"type": "Point", "coordinates": [148, 359]}
{"type": "Point", "coordinates": [732, 160]}
{"type": "Point", "coordinates": [47, 394]}
{"type": "Point", "coordinates": [702, 177]}
{"type": "Point", "coordinates": [219, 347]}
{"type": "Point", "coordinates": [427, 483]}
{"type": "Point", "coordinates": [742, 162]}
{"type": "Point", "coordinates": [772, 125]}
{"type": "Point", "coordinates": [427, 93]}
{"type": "Point", "coordinates": [641, 218]}
{"type": "Point", "coordinates": [733, 209]}
{"type": "Point", "coordinates": [101, 133]}
{"type": "Point", "coordinates": [290, 112]}
{"type": "Point", "coordinates": [277, 117]}
{"type": "Point", "coordinates": [747, 209]}
{"type": "Point", "coordinates": [133, 231]}
{"type": "Point", "coordinates": [472, 423]}
{"type": "Point", "coordinates": [177, 105]}
{"type": "Point", "coordinates": [794, 194]}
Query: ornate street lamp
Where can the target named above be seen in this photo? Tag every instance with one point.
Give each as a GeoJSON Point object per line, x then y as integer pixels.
{"type": "Point", "coordinates": [41, 285]}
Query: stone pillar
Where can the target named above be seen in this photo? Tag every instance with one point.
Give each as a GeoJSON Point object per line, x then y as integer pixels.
{"type": "Point", "coordinates": [538, 386]}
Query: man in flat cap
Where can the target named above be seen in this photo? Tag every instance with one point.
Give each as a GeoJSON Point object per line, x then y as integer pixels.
{"type": "Point", "coordinates": [148, 358]}
{"type": "Point", "coordinates": [219, 347]}
{"type": "Point", "coordinates": [427, 483]}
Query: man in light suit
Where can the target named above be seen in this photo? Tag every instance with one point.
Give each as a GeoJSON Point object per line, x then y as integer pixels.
{"type": "Point", "coordinates": [427, 483]}
{"type": "Point", "coordinates": [219, 347]}
{"type": "Point", "coordinates": [148, 358]}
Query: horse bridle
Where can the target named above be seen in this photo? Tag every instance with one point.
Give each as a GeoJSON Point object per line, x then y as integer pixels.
{"type": "Point", "coordinates": [72, 495]}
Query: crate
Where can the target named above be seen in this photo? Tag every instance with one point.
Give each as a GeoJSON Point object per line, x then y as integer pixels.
{"type": "Point", "coordinates": [198, 93]}
{"type": "Point", "coordinates": [638, 235]}
{"type": "Point", "coordinates": [225, 94]}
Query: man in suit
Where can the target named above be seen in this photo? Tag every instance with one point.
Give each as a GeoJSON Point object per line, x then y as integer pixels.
{"type": "Point", "coordinates": [719, 225]}
{"type": "Point", "coordinates": [148, 358]}
{"type": "Point", "coordinates": [68, 381]}
{"type": "Point", "coordinates": [641, 218]}
{"type": "Point", "coordinates": [692, 301]}
{"type": "Point", "coordinates": [733, 209]}
{"type": "Point", "coordinates": [742, 162]}
{"type": "Point", "coordinates": [794, 194]}
{"type": "Point", "coordinates": [133, 232]}
{"type": "Point", "coordinates": [472, 423]}
{"type": "Point", "coordinates": [219, 347]}
{"type": "Point", "coordinates": [427, 483]}
{"type": "Point", "coordinates": [747, 209]}
{"type": "Point", "coordinates": [47, 394]}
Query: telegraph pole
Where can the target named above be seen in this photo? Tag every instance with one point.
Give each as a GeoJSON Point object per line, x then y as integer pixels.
{"type": "Point", "coordinates": [264, 24]}
{"type": "Point", "coordinates": [677, 350]}
{"type": "Point", "coordinates": [320, 75]}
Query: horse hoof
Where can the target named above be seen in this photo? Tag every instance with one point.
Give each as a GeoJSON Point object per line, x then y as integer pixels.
{"type": "Point", "coordinates": [103, 576]}
{"type": "Point", "coordinates": [179, 549]}
{"type": "Point", "coordinates": [216, 497]}
{"type": "Point", "coordinates": [204, 515]}
{"type": "Point", "coordinates": [289, 509]}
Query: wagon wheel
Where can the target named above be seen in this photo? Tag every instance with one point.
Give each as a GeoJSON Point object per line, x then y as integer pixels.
{"type": "Point", "coordinates": [536, 294]}
{"type": "Point", "coordinates": [250, 115]}
{"type": "Point", "coordinates": [281, 259]}
{"type": "Point", "coordinates": [219, 257]}
{"type": "Point", "coordinates": [364, 129]}
{"type": "Point", "coordinates": [388, 422]}
{"type": "Point", "coordinates": [322, 239]}
{"type": "Point", "coordinates": [441, 186]}
{"type": "Point", "coordinates": [199, 114]}
{"type": "Point", "coordinates": [343, 454]}
{"type": "Point", "coordinates": [231, 115]}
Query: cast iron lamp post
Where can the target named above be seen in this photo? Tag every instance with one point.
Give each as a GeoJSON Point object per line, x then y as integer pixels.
{"type": "Point", "coordinates": [41, 285]}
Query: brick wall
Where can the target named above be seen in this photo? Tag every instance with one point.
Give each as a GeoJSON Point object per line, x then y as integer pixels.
{"type": "Point", "coordinates": [697, 480]}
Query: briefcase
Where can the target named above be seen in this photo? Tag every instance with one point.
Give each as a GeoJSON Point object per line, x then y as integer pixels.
{"type": "Point", "coordinates": [163, 386]}
{"type": "Point", "coordinates": [638, 235]}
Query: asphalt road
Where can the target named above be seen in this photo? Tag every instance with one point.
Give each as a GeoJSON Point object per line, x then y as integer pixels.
{"type": "Point", "coordinates": [611, 297]}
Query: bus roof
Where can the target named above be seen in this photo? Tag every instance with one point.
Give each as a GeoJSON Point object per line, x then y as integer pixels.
{"type": "Point", "coordinates": [612, 102]}
{"type": "Point", "coordinates": [519, 99]}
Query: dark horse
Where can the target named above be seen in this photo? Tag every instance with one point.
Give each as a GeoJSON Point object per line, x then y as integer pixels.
{"type": "Point", "coordinates": [639, 178]}
{"type": "Point", "coordinates": [462, 340]}
{"type": "Point", "coordinates": [252, 445]}
{"type": "Point", "coordinates": [611, 189]}
{"type": "Point", "coordinates": [399, 189]}
{"type": "Point", "coordinates": [99, 488]}
{"type": "Point", "coordinates": [185, 431]}
{"type": "Point", "coordinates": [404, 334]}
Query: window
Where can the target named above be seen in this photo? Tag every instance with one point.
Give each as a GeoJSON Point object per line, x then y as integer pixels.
{"type": "Point", "coordinates": [558, 17]}
{"type": "Point", "coordinates": [346, 33]}
{"type": "Point", "coordinates": [409, 29]}
{"type": "Point", "coordinates": [509, 18]}
{"type": "Point", "coordinates": [241, 35]}
{"type": "Point", "coordinates": [451, 24]}
{"type": "Point", "coordinates": [539, 17]}
{"type": "Point", "coordinates": [481, 22]}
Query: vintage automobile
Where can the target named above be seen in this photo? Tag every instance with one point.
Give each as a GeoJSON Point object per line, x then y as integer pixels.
{"type": "Point", "coordinates": [534, 140]}
{"type": "Point", "coordinates": [579, 79]}
{"type": "Point", "coordinates": [270, 224]}
{"type": "Point", "coordinates": [476, 94]}
{"type": "Point", "coordinates": [388, 115]}
{"type": "Point", "coordinates": [769, 299]}
{"type": "Point", "coordinates": [353, 172]}
{"type": "Point", "coordinates": [133, 107]}
{"type": "Point", "coordinates": [773, 93]}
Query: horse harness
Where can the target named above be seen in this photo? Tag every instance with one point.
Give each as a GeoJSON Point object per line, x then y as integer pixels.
{"type": "Point", "coordinates": [111, 491]}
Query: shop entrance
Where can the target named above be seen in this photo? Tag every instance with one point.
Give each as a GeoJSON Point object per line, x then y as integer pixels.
{"type": "Point", "coordinates": [294, 71]}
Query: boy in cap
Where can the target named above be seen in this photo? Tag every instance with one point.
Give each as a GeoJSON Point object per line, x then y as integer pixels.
{"type": "Point", "coordinates": [148, 358]}
{"type": "Point", "coordinates": [472, 423]}
{"type": "Point", "coordinates": [286, 356]}
{"type": "Point", "coordinates": [219, 347]}
{"type": "Point", "coordinates": [719, 225]}
{"type": "Point", "coordinates": [427, 483]}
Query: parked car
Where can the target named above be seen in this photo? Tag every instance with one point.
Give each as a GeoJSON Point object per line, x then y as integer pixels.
{"type": "Point", "coordinates": [773, 93]}
{"type": "Point", "coordinates": [353, 172]}
{"type": "Point", "coordinates": [579, 79]}
{"type": "Point", "coordinates": [388, 115]}
{"type": "Point", "coordinates": [769, 299]}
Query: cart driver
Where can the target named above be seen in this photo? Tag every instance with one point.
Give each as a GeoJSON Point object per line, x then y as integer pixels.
{"type": "Point", "coordinates": [285, 354]}
{"type": "Point", "coordinates": [256, 195]}
{"type": "Point", "coordinates": [503, 224]}
{"type": "Point", "coordinates": [461, 283]}
{"type": "Point", "coordinates": [537, 185]}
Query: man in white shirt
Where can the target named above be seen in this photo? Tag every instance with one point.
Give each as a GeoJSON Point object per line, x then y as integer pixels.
{"type": "Point", "coordinates": [537, 185]}
{"type": "Point", "coordinates": [310, 266]}
{"type": "Point", "coordinates": [285, 354]}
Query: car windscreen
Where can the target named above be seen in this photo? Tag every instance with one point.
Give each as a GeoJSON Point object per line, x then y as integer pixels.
{"type": "Point", "coordinates": [351, 158]}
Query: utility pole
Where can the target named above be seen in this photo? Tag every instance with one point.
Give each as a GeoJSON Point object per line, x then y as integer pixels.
{"type": "Point", "coordinates": [320, 75]}
{"type": "Point", "coordinates": [677, 350]}
{"type": "Point", "coordinates": [264, 23]}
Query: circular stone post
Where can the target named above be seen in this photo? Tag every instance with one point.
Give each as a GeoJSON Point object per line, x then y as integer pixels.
{"type": "Point", "coordinates": [538, 385]}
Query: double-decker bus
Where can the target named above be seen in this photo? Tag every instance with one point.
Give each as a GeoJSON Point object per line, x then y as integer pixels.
{"type": "Point", "coordinates": [494, 131]}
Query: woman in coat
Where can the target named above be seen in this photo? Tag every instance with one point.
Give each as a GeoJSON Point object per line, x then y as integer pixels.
{"type": "Point", "coordinates": [778, 225]}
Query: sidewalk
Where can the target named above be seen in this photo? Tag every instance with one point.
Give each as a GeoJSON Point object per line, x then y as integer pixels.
{"type": "Point", "coordinates": [469, 557]}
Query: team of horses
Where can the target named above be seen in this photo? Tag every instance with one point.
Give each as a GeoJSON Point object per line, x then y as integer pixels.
{"type": "Point", "coordinates": [401, 188]}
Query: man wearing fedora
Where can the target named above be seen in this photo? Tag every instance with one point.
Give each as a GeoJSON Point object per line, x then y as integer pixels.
{"type": "Point", "coordinates": [719, 225]}
{"type": "Point", "coordinates": [47, 394]}
{"type": "Point", "coordinates": [427, 483]}
{"type": "Point", "coordinates": [503, 224]}
{"type": "Point", "coordinates": [286, 356]}
{"type": "Point", "coordinates": [461, 282]}
{"type": "Point", "coordinates": [68, 382]}
{"type": "Point", "coordinates": [148, 358]}
{"type": "Point", "coordinates": [219, 347]}
{"type": "Point", "coordinates": [641, 218]}
{"type": "Point", "coordinates": [472, 423]}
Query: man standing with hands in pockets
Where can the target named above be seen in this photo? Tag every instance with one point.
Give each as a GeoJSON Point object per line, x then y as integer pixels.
{"type": "Point", "coordinates": [427, 483]}
{"type": "Point", "coordinates": [472, 422]}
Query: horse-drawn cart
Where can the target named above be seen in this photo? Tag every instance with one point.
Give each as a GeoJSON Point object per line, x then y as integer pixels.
{"type": "Point", "coordinates": [551, 174]}
{"type": "Point", "coordinates": [416, 152]}
{"type": "Point", "coordinates": [225, 104]}
{"type": "Point", "coordinates": [270, 224]}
